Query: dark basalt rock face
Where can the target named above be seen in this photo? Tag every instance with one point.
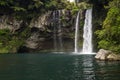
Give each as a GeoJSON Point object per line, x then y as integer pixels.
{"type": "Point", "coordinates": [9, 22]}
{"type": "Point", "coordinates": [43, 30]}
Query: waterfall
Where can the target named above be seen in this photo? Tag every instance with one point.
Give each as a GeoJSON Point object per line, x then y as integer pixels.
{"type": "Point", "coordinates": [60, 31]}
{"type": "Point", "coordinates": [71, 0]}
{"type": "Point", "coordinates": [76, 32]}
{"type": "Point", "coordinates": [54, 32]}
{"type": "Point", "coordinates": [57, 31]}
{"type": "Point", "coordinates": [87, 35]}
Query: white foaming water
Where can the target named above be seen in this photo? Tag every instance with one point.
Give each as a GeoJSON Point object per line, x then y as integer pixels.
{"type": "Point", "coordinates": [87, 35]}
{"type": "Point", "coordinates": [83, 53]}
{"type": "Point", "coordinates": [71, 0]}
{"type": "Point", "coordinates": [76, 32]}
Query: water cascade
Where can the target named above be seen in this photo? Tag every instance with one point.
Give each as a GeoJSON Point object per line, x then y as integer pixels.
{"type": "Point", "coordinates": [57, 31]}
{"type": "Point", "coordinates": [54, 32]}
{"type": "Point", "coordinates": [60, 31]}
{"type": "Point", "coordinates": [87, 35]}
{"type": "Point", "coordinates": [76, 32]}
{"type": "Point", "coordinates": [71, 0]}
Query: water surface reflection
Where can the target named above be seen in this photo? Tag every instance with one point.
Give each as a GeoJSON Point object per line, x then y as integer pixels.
{"type": "Point", "coordinates": [56, 67]}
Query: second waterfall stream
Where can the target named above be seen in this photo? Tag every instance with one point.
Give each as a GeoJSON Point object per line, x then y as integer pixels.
{"type": "Point", "coordinates": [76, 32]}
{"type": "Point", "coordinates": [87, 32]}
{"type": "Point", "coordinates": [87, 35]}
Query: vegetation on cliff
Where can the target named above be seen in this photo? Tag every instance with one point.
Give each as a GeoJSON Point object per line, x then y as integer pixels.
{"type": "Point", "coordinates": [29, 8]}
{"type": "Point", "coordinates": [106, 19]}
{"type": "Point", "coordinates": [21, 10]}
{"type": "Point", "coordinates": [109, 35]}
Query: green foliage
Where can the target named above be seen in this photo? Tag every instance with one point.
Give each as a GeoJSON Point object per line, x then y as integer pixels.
{"type": "Point", "coordinates": [5, 2]}
{"type": "Point", "coordinates": [25, 34]}
{"type": "Point", "coordinates": [51, 4]}
{"type": "Point", "coordinates": [84, 5]}
{"type": "Point", "coordinates": [18, 8]}
{"type": "Point", "coordinates": [27, 9]}
{"type": "Point", "coordinates": [110, 34]}
{"type": "Point", "coordinates": [73, 7]}
{"type": "Point", "coordinates": [10, 42]}
{"type": "Point", "coordinates": [4, 32]}
{"type": "Point", "coordinates": [23, 10]}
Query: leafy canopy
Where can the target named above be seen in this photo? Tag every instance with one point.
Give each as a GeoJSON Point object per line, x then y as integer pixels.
{"type": "Point", "coordinates": [109, 36]}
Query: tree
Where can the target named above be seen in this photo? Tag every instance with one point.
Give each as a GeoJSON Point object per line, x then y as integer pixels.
{"type": "Point", "coordinates": [110, 34]}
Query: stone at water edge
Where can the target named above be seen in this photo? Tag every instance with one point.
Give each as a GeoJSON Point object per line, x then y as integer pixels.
{"type": "Point", "coordinates": [98, 55]}
{"type": "Point", "coordinates": [102, 54]}
{"type": "Point", "coordinates": [113, 57]}
{"type": "Point", "coordinates": [107, 55]}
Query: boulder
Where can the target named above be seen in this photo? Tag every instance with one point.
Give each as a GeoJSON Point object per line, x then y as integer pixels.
{"type": "Point", "coordinates": [106, 55]}
{"type": "Point", "coordinates": [102, 54]}
{"type": "Point", "coordinates": [113, 57]}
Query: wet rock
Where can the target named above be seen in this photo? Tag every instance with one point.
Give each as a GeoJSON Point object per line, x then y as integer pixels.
{"type": "Point", "coordinates": [32, 41]}
{"type": "Point", "coordinates": [41, 21]}
{"type": "Point", "coordinates": [9, 22]}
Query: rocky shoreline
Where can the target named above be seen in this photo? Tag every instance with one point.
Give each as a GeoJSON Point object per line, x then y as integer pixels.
{"type": "Point", "coordinates": [103, 54]}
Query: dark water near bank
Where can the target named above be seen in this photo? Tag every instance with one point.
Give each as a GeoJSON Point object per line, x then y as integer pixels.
{"type": "Point", "coordinates": [56, 67]}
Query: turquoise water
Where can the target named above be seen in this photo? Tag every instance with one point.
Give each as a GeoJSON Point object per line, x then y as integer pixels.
{"type": "Point", "coordinates": [56, 67]}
